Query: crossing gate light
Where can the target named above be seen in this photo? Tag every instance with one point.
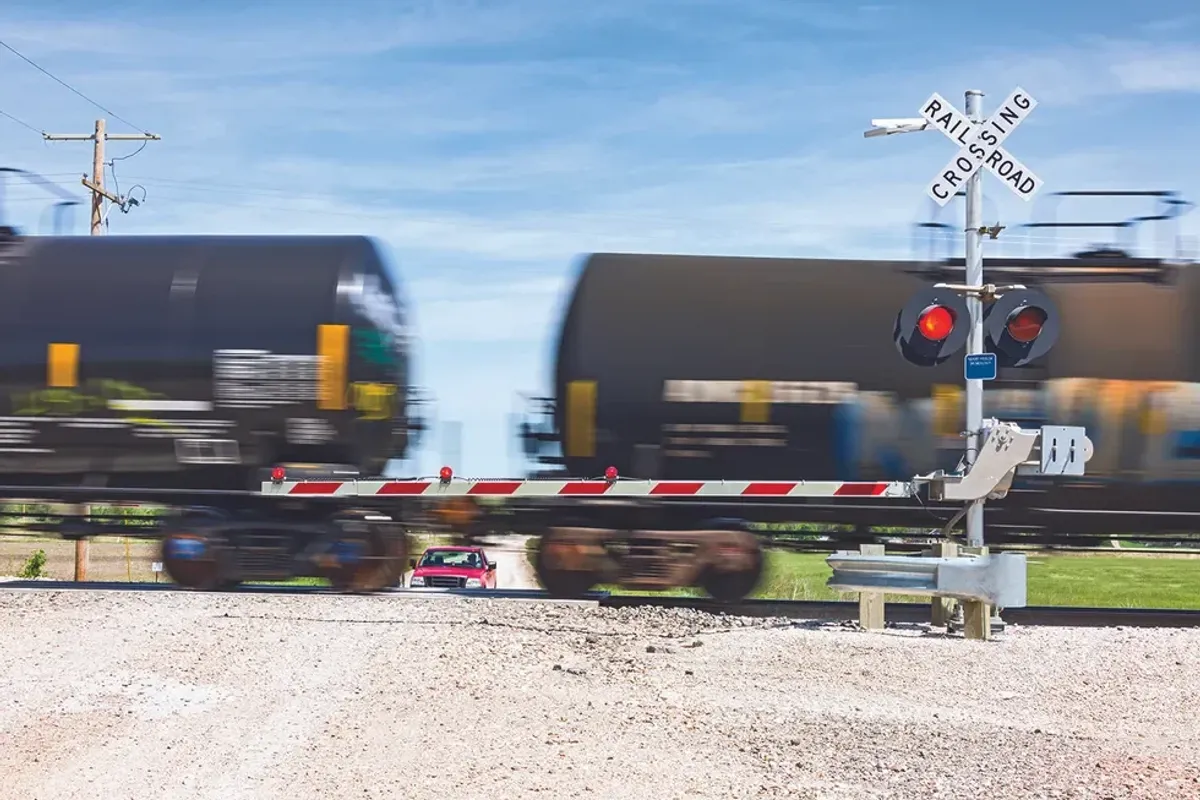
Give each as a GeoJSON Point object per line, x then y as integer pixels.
{"type": "Point", "coordinates": [1020, 327]}
{"type": "Point", "coordinates": [932, 326]}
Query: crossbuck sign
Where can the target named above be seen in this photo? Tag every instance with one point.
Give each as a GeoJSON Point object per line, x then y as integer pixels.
{"type": "Point", "coordinates": [980, 146]}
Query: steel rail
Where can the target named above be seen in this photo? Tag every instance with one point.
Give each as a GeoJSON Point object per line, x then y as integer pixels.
{"type": "Point", "coordinates": [816, 610]}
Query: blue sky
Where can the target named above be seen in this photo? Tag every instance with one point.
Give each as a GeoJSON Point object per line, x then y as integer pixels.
{"type": "Point", "coordinates": [490, 145]}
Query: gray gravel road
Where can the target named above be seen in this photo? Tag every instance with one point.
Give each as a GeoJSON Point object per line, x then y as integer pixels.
{"type": "Point", "coordinates": [126, 695]}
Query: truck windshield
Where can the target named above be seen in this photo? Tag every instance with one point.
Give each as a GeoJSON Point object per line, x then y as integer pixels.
{"type": "Point", "coordinates": [450, 558]}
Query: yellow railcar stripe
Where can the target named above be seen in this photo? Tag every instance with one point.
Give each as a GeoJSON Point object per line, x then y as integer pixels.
{"type": "Point", "coordinates": [756, 401]}
{"type": "Point", "coordinates": [947, 415]}
{"type": "Point", "coordinates": [581, 419]}
{"type": "Point", "coordinates": [1155, 408]}
{"type": "Point", "coordinates": [333, 348]}
{"type": "Point", "coordinates": [62, 365]}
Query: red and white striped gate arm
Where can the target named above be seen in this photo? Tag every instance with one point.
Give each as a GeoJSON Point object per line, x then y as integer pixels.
{"type": "Point", "coordinates": [434, 488]}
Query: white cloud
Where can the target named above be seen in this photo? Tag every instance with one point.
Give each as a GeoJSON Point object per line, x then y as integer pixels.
{"type": "Point", "coordinates": [1100, 67]}
{"type": "Point", "coordinates": [1158, 71]}
{"type": "Point", "coordinates": [262, 36]}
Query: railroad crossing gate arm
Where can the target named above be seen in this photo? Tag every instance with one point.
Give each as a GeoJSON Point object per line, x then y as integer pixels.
{"type": "Point", "coordinates": [1006, 448]}
{"type": "Point", "coordinates": [434, 488]}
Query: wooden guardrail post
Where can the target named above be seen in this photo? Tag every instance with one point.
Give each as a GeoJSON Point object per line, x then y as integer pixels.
{"type": "Point", "coordinates": [941, 610]}
{"type": "Point", "coordinates": [977, 616]}
{"type": "Point", "coordinates": [870, 604]}
{"type": "Point", "coordinates": [82, 543]}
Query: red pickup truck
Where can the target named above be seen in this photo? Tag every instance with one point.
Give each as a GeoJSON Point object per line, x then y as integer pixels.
{"type": "Point", "coordinates": [453, 568]}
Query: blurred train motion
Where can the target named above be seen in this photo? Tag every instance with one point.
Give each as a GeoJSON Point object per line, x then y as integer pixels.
{"type": "Point", "coordinates": [699, 367]}
{"type": "Point", "coordinates": [184, 370]}
{"type": "Point", "coordinates": [180, 363]}
{"type": "Point", "coordinates": [208, 358]}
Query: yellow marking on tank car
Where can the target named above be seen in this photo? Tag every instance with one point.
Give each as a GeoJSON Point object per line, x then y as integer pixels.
{"type": "Point", "coordinates": [1153, 420]}
{"type": "Point", "coordinates": [581, 419]}
{"type": "Point", "coordinates": [947, 400]}
{"type": "Point", "coordinates": [333, 347]}
{"type": "Point", "coordinates": [62, 365]}
{"type": "Point", "coordinates": [756, 401]}
{"type": "Point", "coordinates": [374, 401]}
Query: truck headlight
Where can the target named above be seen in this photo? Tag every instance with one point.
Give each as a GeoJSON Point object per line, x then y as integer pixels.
{"type": "Point", "coordinates": [416, 581]}
{"type": "Point", "coordinates": [474, 583]}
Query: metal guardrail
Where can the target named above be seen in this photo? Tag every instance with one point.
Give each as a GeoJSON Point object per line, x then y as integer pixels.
{"type": "Point", "coordinates": [998, 580]}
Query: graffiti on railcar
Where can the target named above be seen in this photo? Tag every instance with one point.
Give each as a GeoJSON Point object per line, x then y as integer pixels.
{"type": "Point", "coordinates": [1143, 431]}
{"type": "Point", "coordinates": [1146, 431]}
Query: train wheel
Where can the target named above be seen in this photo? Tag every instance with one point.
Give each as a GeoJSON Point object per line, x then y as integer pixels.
{"type": "Point", "coordinates": [735, 567]}
{"type": "Point", "coordinates": [194, 559]}
{"type": "Point", "coordinates": [565, 563]}
{"type": "Point", "coordinates": [367, 555]}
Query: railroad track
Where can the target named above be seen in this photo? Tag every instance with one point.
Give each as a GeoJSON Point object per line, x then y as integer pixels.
{"type": "Point", "coordinates": [915, 613]}
{"type": "Point", "coordinates": [820, 610]}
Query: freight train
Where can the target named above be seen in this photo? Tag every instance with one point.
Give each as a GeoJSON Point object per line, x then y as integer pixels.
{"type": "Point", "coordinates": [699, 367]}
{"type": "Point", "coordinates": [186, 368]}
{"type": "Point", "coordinates": [702, 367]}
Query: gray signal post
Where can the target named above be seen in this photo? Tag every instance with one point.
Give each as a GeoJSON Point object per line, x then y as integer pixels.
{"type": "Point", "coordinates": [980, 143]}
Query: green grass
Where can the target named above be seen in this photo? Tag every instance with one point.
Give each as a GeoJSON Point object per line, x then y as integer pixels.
{"type": "Point", "coordinates": [292, 582]}
{"type": "Point", "coordinates": [1104, 581]}
{"type": "Point", "coordinates": [1114, 581]}
{"type": "Point", "coordinates": [1054, 580]}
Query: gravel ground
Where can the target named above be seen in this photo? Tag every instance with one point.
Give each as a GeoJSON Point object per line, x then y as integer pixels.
{"type": "Point", "coordinates": [184, 695]}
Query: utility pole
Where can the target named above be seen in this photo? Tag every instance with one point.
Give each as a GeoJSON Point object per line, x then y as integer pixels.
{"type": "Point", "coordinates": [99, 195]}
{"type": "Point", "coordinates": [96, 184]}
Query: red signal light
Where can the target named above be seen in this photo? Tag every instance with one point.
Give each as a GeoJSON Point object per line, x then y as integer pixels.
{"type": "Point", "coordinates": [1025, 325]}
{"type": "Point", "coordinates": [927, 329]}
{"type": "Point", "coordinates": [1020, 327]}
{"type": "Point", "coordinates": [446, 474]}
{"type": "Point", "coordinates": [610, 474]}
{"type": "Point", "coordinates": [278, 474]}
{"type": "Point", "coordinates": [936, 323]}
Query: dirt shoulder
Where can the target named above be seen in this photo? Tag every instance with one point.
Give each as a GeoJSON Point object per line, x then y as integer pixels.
{"type": "Point", "coordinates": [125, 694]}
{"type": "Point", "coordinates": [513, 570]}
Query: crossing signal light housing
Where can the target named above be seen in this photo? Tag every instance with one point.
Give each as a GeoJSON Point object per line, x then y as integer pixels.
{"type": "Point", "coordinates": [932, 326]}
{"type": "Point", "coordinates": [1020, 327]}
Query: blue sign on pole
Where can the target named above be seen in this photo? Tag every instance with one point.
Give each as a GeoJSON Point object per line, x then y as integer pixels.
{"type": "Point", "coordinates": [980, 367]}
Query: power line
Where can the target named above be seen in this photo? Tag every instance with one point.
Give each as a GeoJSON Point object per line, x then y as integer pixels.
{"type": "Point", "coordinates": [20, 122]}
{"type": "Point", "coordinates": [49, 74]}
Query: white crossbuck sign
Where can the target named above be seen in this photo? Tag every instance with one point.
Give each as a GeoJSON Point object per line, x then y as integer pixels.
{"type": "Point", "coordinates": [980, 146]}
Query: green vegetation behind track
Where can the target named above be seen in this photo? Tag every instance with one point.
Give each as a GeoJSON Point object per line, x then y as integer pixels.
{"type": "Point", "coordinates": [1095, 580]}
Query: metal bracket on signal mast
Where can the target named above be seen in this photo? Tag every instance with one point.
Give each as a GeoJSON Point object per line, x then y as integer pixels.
{"type": "Point", "coordinates": [989, 291]}
{"type": "Point", "coordinates": [1007, 448]}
